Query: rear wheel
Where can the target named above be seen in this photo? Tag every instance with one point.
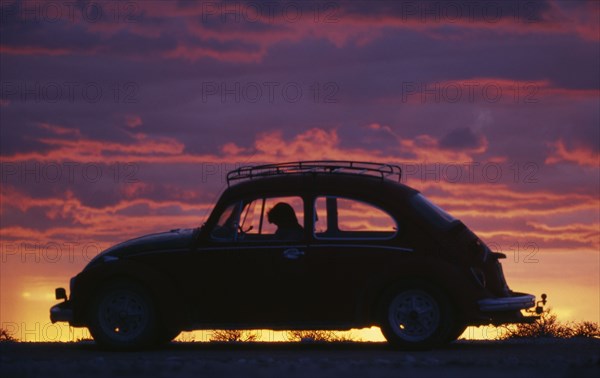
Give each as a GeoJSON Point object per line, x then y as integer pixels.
{"type": "Point", "coordinates": [416, 318]}
{"type": "Point", "coordinates": [122, 316]}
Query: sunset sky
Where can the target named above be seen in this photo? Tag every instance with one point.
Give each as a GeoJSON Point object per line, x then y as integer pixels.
{"type": "Point", "coordinates": [121, 118]}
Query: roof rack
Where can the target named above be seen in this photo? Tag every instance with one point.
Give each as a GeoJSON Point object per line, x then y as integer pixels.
{"type": "Point", "coordinates": [316, 166]}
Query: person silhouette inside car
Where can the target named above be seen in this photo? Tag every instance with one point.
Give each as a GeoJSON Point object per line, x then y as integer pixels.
{"type": "Point", "coordinates": [284, 217]}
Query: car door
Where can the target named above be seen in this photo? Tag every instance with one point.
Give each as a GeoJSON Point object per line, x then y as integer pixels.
{"type": "Point", "coordinates": [242, 279]}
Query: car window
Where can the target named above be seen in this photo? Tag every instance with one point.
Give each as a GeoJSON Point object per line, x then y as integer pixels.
{"type": "Point", "coordinates": [228, 223]}
{"type": "Point", "coordinates": [344, 218]}
{"type": "Point", "coordinates": [433, 213]}
{"type": "Point", "coordinates": [262, 219]}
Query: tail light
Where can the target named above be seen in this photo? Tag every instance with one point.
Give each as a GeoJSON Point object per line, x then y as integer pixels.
{"type": "Point", "coordinates": [479, 250]}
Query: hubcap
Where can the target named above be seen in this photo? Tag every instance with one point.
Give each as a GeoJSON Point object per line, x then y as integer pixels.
{"type": "Point", "coordinates": [414, 315]}
{"type": "Point", "coordinates": [123, 314]}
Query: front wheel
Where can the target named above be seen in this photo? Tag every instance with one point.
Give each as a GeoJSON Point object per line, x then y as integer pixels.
{"type": "Point", "coordinates": [122, 316]}
{"type": "Point", "coordinates": [416, 318]}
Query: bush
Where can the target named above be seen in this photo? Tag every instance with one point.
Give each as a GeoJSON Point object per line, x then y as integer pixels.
{"type": "Point", "coordinates": [318, 336]}
{"type": "Point", "coordinates": [5, 336]}
{"type": "Point", "coordinates": [585, 329]}
{"type": "Point", "coordinates": [299, 336]}
{"type": "Point", "coordinates": [233, 335]}
{"type": "Point", "coordinates": [549, 326]}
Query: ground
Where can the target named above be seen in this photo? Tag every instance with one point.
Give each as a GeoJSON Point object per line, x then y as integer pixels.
{"type": "Point", "coordinates": [513, 358]}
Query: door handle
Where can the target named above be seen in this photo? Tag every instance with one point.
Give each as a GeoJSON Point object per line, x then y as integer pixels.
{"type": "Point", "coordinates": [293, 253]}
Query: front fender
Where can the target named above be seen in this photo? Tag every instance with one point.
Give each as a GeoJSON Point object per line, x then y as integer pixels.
{"type": "Point", "coordinates": [171, 307]}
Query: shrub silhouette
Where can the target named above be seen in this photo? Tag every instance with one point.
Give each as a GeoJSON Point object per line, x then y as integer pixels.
{"type": "Point", "coordinates": [585, 329]}
{"type": "Point", "coordinates": [318, 336]}
{"type": "Point", "coordinates": [233, 335]}
{"type": "Point", "coordinates": [5, 336]}
{"type": "Point", "coordinates": [549, 326]}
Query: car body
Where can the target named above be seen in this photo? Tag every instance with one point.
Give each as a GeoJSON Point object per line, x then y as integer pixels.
{"type": "Point", "coordinates": [367, 250]}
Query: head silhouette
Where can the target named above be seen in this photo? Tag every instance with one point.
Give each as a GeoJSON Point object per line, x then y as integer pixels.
{"type": "Point", "coordinates": [282, 215]}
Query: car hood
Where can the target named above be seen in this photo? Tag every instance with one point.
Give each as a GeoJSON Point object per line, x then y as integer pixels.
{"type": "Point", "coordinates": [174, 239]}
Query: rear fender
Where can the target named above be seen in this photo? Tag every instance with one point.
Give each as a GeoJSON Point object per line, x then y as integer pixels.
{"type": "Point", "coordinates": [442, 276]}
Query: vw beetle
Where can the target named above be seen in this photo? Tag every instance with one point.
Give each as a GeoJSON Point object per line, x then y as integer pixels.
{"type": "Point", "coordinates": [326, 245]}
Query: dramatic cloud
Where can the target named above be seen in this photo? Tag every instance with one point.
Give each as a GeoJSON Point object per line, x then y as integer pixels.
{"type": "Point", "coordinates": [462, 139]}
{"type": "Point", "coordinates": [580, 155]}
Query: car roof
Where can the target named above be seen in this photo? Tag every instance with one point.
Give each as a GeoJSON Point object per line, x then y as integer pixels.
{"type": "Point", "coordinates": [354, 185]}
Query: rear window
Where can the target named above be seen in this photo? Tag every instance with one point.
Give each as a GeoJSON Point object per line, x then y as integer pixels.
{"type": "Point", "coordinates": [432, 212]}
{"type": "Point", "coordinates": [346, 218]}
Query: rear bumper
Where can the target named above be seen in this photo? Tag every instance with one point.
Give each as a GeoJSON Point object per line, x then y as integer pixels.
{"type": "Point", "coordinates": [517, 302]}
{"type": "Point", "coordinates": [61, 312]}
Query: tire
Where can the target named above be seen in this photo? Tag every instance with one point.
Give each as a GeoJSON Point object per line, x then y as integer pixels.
{"type": "Point", "coordinates": [122, 316]}
{"type": "Point", "coordinates": [417, 318]}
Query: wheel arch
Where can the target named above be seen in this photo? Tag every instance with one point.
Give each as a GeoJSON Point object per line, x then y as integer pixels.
{"type": "Point", "coordinates": [162, 289]}
{"type": "Point", "coordinates": [445, 278]}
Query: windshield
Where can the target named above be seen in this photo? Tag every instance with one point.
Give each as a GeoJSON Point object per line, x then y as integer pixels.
{"type": "Point", "coordinates": [430, 211]}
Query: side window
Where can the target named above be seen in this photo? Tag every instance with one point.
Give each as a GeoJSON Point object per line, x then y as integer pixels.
{"type": "Point", "coordinates": [344, 218]}
{"type": "Point", "coordinates": [262, 219]}
{"type": "Point", "coordinates": [227, 227]}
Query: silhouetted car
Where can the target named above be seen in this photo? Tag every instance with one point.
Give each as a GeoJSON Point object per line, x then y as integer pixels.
{"type": "Point", "coordinates": [308, 245]}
